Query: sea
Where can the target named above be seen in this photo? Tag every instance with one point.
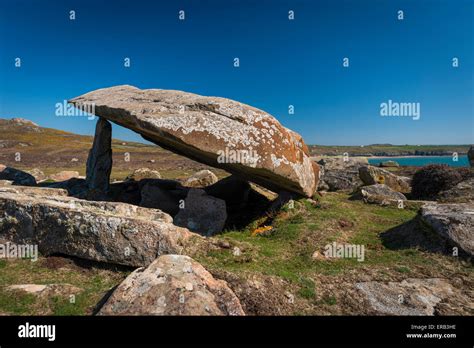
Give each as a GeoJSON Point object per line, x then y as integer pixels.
{"type": "Point", "coordinates": [419, 161]}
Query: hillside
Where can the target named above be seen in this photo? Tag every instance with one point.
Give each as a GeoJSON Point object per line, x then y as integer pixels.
{"type": "Point", "coordinates": [53, 150]}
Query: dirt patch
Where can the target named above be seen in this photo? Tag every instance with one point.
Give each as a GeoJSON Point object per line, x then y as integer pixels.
{"type": "Point", "coordinates": [263, 295]}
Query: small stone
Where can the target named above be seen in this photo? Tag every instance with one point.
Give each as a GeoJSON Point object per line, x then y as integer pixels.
{"type": "Point", "coordinates": [64, 175]}
{"type": "Point", "coordinates": [143, 173]}
{"type": "Point", "coordinates": [201, 179]}
{"type": "Point", "coordinates": [236, 251]}
{"type": "Point", "coordinates": [38, 174]}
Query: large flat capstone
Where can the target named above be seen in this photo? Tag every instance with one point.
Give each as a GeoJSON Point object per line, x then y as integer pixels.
{"type": "Point", "coordinates": [215, 131]}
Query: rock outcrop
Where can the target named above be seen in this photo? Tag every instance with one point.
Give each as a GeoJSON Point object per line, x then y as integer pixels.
{"type": "Point", "coordinates": [381, 194]}
{"type": "Point", "coordinates": [409, 297]}
{"type": "Point", "coordinates": [18, 177]}
{"type": "Point", "coordinates": [454, 222]}
{"type": "Point", "coordinates": [215, 131]}
{"type": "Point", "coordinates": [470, 156]}
{"type": "Point", "coordinates": [389, 164]}
{"type": "Point", "coordinates": [371, 175]}
{"type": "Point", "coordinates": [201, 179]}
{"type": "Point", "coordinates": [463, 192]}
{"type": "Point", "coordinates": [172, 285]}
{"type": "Point", "coordinates": [99, 162]}
{"type": "Point", "coordinates": [339, 173]}
{"type": "Point", "coordinates": [101, 231]}
{"type": "Point", "coordinates": [202, 213]}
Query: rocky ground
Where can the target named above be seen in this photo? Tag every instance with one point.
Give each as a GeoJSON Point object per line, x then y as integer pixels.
{"type": "Point", "coordinates": [282, 271]}
{"type": "Point", "coordinates": [236, 248]}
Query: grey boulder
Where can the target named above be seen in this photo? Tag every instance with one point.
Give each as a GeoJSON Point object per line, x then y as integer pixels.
{"type": "Point", "coordinates": [454, 222]}
{"type": "Point", "coordinates": [172, 285]}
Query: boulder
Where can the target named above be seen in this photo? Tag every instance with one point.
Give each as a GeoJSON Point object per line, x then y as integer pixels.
{"type": "Point", "coordinates": [470, 156]}
{"type": "Point", "coordinates": [389, 164]}
{"type": "Point", "coordinates": [75, 186]}
{"type": "Point", "coordinates": [99, 162]}
{"type": "Point", "coordinates": [143, 173]}
{"type": "Point", "coordinates": [340, 173]}
{"type": "Point", "coordinates": [172, 285]}
{"type": "Point", "coordinates": [454, 222]}
{"type": "Point", "coordinates": [64, 175]}
{"type": "Point", "coordinates": [162, 194]}
{"type": "Point", "coordinates": [343, 163]}
{"type": "Point", "coordinates": [463, 192]}
{"type": "Point", "coordinates": [409, 297]}
{"type": "Point", "coordinates": [215, 131]}
{"type": "Point", "coordinates": [202, 213]}
{"type": "Point", "coordinates": [18, 177]}
{"type": "Point", "coordinates": [371, 175]}
{"type": "Point", "coordinates": [381, 194]}
{"type": "Point", "coordinates": [232, 189]}
{"type": "Point", "coordinates": [37, 174]}
{"type": "Point", "coordinates": [124, 191]}
{"type": "Point", "coordinates": [101, 231]}
{"type": "Point", "coordinates": [201, 179]}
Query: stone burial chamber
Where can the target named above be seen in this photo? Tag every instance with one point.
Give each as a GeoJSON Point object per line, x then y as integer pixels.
{"type": "Point", "coordinates": [243, 140]}
{"type": "Point", "coordinates": [219, 132]}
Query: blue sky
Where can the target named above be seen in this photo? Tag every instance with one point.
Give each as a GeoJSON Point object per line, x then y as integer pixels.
{"type": "Point", "coordinates": [282, 62]}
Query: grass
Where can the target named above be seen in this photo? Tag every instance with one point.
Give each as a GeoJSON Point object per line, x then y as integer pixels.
{"type": "Point", "coordinates": [298, 233]}
{"type": "Point", "coordinates": [93, 282]}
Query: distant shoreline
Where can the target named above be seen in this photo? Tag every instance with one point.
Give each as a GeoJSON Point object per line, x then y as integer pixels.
{"type": "Point", "coordinates": [408, 156]}
{"type": "Point", "coordinates": [395, 156]}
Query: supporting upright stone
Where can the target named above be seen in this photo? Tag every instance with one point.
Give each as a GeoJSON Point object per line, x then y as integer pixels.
{"type": "Point", "coordinates": [99, 162]}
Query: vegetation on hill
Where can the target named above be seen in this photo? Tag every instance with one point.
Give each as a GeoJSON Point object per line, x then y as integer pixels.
{"type": "Point", "coordinates": [25, 146]}
{"type": "Point", "coordinates": [388, 150]}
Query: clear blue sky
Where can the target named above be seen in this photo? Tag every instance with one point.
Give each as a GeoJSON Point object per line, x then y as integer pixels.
{"type": "Point", "coordinates": [282, 62]}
